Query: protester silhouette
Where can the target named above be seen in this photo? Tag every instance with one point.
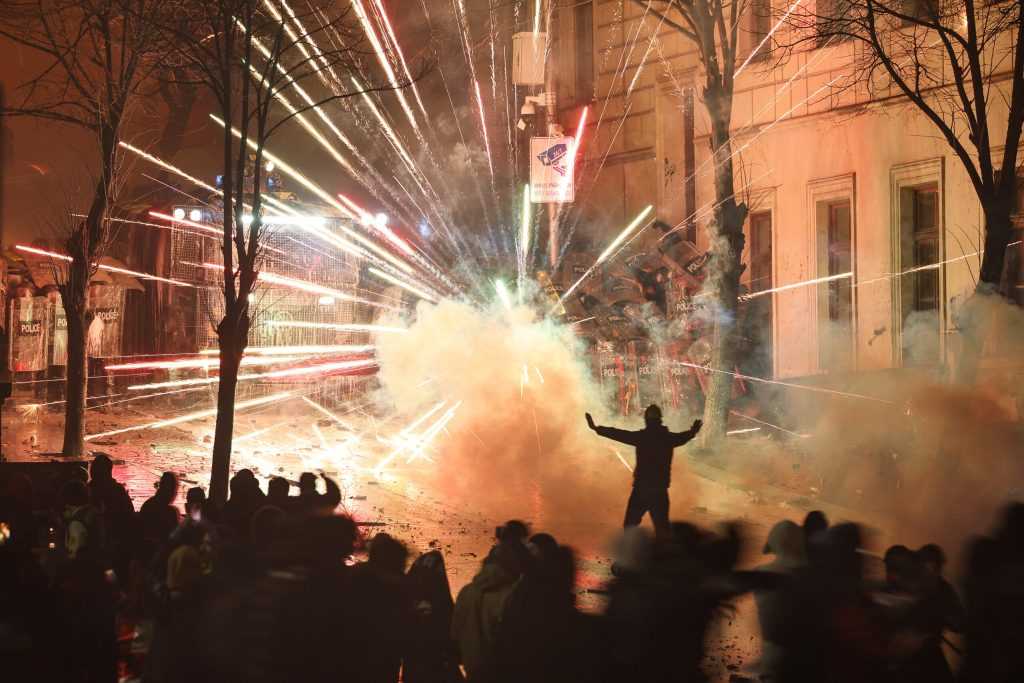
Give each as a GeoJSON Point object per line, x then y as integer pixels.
{"type": "Point", "coordinates": [431, 655]}
{"type": "Point", "coordinates": [481, 603]}
{"type": "Point", "coordinates": [115, 506]}
{"type": "Point", "coordinates": [653, 473]}
{"type": "Point", "coordinates": [309, 501]}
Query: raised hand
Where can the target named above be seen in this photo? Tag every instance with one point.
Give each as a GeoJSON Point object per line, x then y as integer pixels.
{"type": "Point", "coordinates": [590, 421]}
{"type": "Point", "coordinates": [695, 427]}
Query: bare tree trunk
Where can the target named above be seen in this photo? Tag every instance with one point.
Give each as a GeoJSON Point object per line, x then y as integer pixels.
{"type": "Point", "coordinates": [85, 244]}
{"type": "Point", "coordinates": [74, 300]}
{"type": "Point", "coordinates": [726, 249]}
{"type": "Point", "coordinates": [232, 334]}
{"type": "Point", "coordinates": [976, 318]}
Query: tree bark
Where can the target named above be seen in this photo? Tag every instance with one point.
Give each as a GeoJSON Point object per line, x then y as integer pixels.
{"type": "Point", "coordinates": [975, 321]}
{"type": "Point", "coordinates": [74, 301]}
{"type": "Point", "coordinates": [726, 232]}
{"type": "Point", "coordinates": [232, 335]}
{"type": "Point", "coordinates": [84, 245]}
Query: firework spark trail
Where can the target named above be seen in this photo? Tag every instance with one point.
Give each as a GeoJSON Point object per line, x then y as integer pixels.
{"type": "Point", "coordinates": [382, 58]}
{"type": "Point", "coordinates": [101, 266]}
{"type": "Point", "coordinates": [212, 232]}
{"type": "Point", "coordinates": [401, 57]}
{"type": "Point", "coordinates": [210, 412]}
{"type": "Point", "coordinates": [34, 406]}
{"type": "Point", "coordinates": [396, 143]}
{"type": "Point", "coordinates": [456, 240]}
{"type": "Point", "coordinates": [771, 103]}
{"type": "Point", "coordinates": [317, 109]}
{"type": "Point", "coordinates": [300, 285]}
{"type": "Point", "coordinates": [600, 166]}
{"type": "Point", "coordinates": [764, 40]}
{"type": "Point", "coordinates": [878, 278]}
{"type": "Point", "coordinates": [274, 374]}
{"type": "Point", "coordinates": [313, 132]}
{"type": "Point", "coordinates": [142, 398]}
{"type": "Point", "coordinates": [340, 327]}
{"type": "Point", "coordinates": [209, 229]}
{"type": "Point", "coordinates": [503, 294]}
{"type": "Point", "coordinates": [199, 363]}
{"type": "Point", "coordinates": [621, 459]}
{"type": "Point", "coordinates": [606, 253]}
{"type": "Point", "coordinates": [822, 390]}
{"type": "Point", "coordinates": [306, 37]}
{"type": "Point", "coordinates": [463, 21]}
{"type": "Point", "coordinates": [570, 171]}
{"type": "Point", "coordinates": [405, 285]}
{"type": "Point", "coordinates": [366, 219]}
{"type": "Point", "coordinates": [252, 435]}
{"type": "Point", "coordinates": [753, 117]}
{"type": "Point", "coordinates": [312, 349]}
{"type": "Point", "coordinates": [430, 433]}
{"type": "Point", "coordinates": [325, 411]}
{"type": "Point", "coordinates": [526, 225]}
{"type": "Point", "coordinates": [406, 444]}
{"type": "Point", "coordinates": [319, 192]}
{"type": "Point", "coordinates": [647, 52]}
{"type": "Point", "coordinates": [794, 285]}
{"type": "Point", "coordinates": [483, 127]}
{"type": "Point", "coordinates": [320, 436]}
{"type": "Point", "coordinates": [733, 432]}
{"type": "Point", "coordinates": [619, 73]}
{"type": "Point", "coordinates": [682, 224]}
{"type": "Point", "coordinates": [768, 424]}
{"type": "Point", "coordinates": [196, 181]}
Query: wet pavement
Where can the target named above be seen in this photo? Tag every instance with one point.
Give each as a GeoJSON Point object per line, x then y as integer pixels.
{"type": "Point", "coordinates": [419, 517]}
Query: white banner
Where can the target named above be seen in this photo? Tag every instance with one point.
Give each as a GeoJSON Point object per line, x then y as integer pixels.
{"type": "Point", "coordinates": [551, 174]}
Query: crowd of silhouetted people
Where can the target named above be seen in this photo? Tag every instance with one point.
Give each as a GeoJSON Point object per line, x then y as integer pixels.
{"type": "Point", "coordinates": [265, 588]}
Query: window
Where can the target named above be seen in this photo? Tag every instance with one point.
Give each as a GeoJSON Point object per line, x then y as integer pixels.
{"type": "Point", "coordinates": [920, 293]}
{"type": "Point", "coordinates": [832, 20]}
{"type": "Point", "coordinates": [760, 25]}
{"type": "Point", "coordinates": [584, 17]}
{"type": "Point", "coordinates": [921, 10]}
{"type": "Point", "coordinates": [689, 167]}
{"type": "Point", "coordinates": [838, 332]}
{"type": "Point", "coordinates": [1013, 267]}
{"type": "Point", "coordinates": [926, 249]}
{"type": "Point", "coordinates": [758, 318]}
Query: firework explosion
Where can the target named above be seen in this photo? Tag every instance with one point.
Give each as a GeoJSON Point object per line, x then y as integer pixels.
{"type": "Point", "coordinates": [470, 373]}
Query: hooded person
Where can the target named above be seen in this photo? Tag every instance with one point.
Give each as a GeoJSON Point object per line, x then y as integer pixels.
{"type": "Point", "coordinates": [481, 603]}
{"type": "Point", "coordinates": [653, 473]}
{"type": "Point", "coordinates": [431, 656]}
{"type": "Point", "coordinates": [117, 512]}
{"type": "Point", "coordinates": [786, 543]}
{"type": "Point", "coordinates": [309, 501]}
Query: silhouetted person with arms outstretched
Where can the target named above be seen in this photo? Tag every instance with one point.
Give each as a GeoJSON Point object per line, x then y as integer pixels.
{"type": "Point", "coordinates": [653, 473]}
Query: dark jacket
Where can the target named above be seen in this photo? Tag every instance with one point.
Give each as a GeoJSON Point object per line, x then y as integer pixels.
{"type": "Point", "coordinates": [654, 446]}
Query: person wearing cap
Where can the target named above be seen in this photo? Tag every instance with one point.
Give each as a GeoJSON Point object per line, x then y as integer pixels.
{"type": "Point", "coordinates": [652, 475]}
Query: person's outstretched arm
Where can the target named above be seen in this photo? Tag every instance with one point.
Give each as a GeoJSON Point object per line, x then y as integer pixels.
{"type": "Point", "coordinates": [621, 435]}
{"type": "Point", "coordinates": [333, 495]}
{"type": "Point", "coordinates": [680, 438]}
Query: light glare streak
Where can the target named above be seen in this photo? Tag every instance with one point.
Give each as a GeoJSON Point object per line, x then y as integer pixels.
{"type": "Point", "coordinates": [401, 283]}
{"type": "Point", "coordinates": [341, 327]}
{"type": "Point", "coordinates": [275, 374]}
{"type": "Point", "coordinates": [606, 253]}
{"type": "Point", "coordinates": [210, 412]}
{"type": "Point", "coordinates": [101, 266]}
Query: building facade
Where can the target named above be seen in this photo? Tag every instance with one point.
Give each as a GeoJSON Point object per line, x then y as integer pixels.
{"type": "Point", "coordinates": [847, 185]}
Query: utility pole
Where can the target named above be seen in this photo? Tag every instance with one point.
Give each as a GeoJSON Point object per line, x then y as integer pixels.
{"type": "Point", "coordinates": [554, 245]}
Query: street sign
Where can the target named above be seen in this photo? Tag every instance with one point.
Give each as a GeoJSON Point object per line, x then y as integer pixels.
{"type": "Point", "coordinates": [551, 173]}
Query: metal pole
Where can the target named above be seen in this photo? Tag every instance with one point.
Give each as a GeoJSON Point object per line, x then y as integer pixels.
{"type": "Point", "coordinates": [552, 122]}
